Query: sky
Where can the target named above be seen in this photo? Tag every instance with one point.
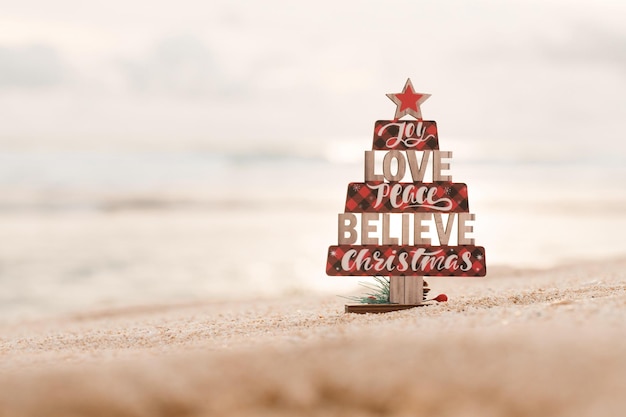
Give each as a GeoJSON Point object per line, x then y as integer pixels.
{"type": "Point", "coordinates": [528, 79]}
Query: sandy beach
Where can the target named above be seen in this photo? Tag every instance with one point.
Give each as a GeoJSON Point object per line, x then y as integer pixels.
{"type": "Point", "coordinates": [518, 343]}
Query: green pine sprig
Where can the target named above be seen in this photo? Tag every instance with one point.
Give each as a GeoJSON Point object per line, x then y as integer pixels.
{"type": "Point", "coordinates": [378, 291]}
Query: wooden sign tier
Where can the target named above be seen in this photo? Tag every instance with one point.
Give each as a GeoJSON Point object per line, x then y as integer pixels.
{"type": "Point", "coordinates": [393, 260]}
{"type": "Point", "coordinates": [398, 197]}
{"type": "Point", "coordinates": [399, 135]}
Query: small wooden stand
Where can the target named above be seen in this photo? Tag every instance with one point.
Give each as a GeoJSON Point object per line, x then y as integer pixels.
{"type": "Point", "coordinates": [404, 293]}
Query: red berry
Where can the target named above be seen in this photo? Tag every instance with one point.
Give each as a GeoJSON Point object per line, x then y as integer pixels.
{"type": "Point", "coordinates": [441, 298]}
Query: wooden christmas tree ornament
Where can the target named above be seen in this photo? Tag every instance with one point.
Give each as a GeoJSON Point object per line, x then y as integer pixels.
{"type": "Point", "coordinates": [437, 209]}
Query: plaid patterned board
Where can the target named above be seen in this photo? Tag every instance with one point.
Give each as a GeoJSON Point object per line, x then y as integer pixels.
{"type": "Point", "coordinates": [417, 135]}
{"type": "Point", "coordinates": [405, 197]}
{"type": "Point", "coordinates": [368, 260]}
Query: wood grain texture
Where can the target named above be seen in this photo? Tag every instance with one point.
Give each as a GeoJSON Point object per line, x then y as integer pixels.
{"type": "Point", "coordinates": [419, 227]}
{"type": "Point", "coordinates": [396, 289]}
{"type": "Point", "coordinates": [413, 290]}
{"type": "Point", "coordinates": [367, 228]}
{"type": "Point", "coordinates": [369, 167]}
{"type": "Point", "coordinates": [347, 225]}
{"type": "Point", "coordinates": [439, 165]}
{"type": "Point", "coordinates": [444, 233]}
{"type": "Point", "coordinates": [387, 239]}
{"type": "Point", "coordinates": [400, 169]}
{"type": "Point", "coordinates": [465, 228]}
{"type": "Point", "coordinates": [406, 222]}
{"type": "Point", "coordinates": [418, 170]}
{"type": "Point", "coordinates": [379, 308]}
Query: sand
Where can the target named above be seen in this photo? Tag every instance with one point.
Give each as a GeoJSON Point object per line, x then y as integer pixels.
{"type": "Point", "coordinates": [517, 343]}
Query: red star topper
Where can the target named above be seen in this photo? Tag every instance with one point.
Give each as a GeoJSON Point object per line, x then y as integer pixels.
{"type": "Point", "coordinates": [408, 101]}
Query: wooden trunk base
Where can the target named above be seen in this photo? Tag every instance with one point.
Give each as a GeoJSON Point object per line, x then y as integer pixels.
{"type": "Point", "coordinates": [378, 308]}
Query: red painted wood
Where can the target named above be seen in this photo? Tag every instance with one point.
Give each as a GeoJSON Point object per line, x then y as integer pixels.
{"type": "Point", "coordinates": [406, 197]}
{"type": "Point", "coordinates": [394, 260]}
{"type": "Point", "coordinates": [400, 135]}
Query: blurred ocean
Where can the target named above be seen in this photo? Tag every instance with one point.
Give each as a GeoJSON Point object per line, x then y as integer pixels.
{"type": "Point", "coordinates": [90, 230]}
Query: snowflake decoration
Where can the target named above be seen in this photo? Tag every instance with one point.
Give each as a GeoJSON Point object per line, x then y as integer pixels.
{"type": "Point", "coordinates": [448, 190]}
{"type": "Point", "coordinates": [479, 257]}
{"type": "Point", "coordinates": [333, 252]}
{"type": "Point", "coordinates": [356, 187]}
